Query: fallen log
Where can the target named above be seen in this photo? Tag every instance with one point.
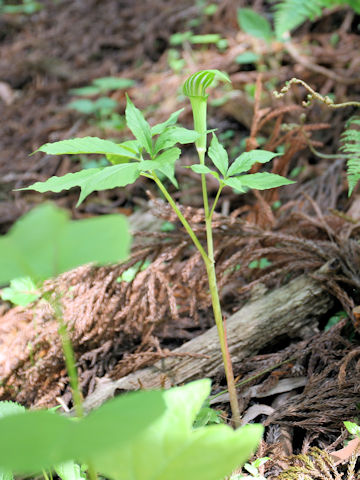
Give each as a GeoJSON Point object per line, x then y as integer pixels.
{"type": "Point", "coordinates": [284, 311]}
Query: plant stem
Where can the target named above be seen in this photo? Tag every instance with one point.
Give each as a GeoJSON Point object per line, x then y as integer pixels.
{"type": "Point", "coordinates": [215, 201]}
{"type": "Point", "coordinates": [70, 364]}
{"type": "Point", "coordinates": [181, 217]}
{"type": "Point", "coordinates": [69, 356]}
{"type": "Point", "coordinates": [199, 106]}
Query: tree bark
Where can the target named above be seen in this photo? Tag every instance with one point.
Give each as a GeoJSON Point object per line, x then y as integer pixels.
{"type": "Point", "coordinates": [285, 311]}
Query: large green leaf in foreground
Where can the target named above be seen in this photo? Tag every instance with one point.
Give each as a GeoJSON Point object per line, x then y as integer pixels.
{"type": "Point", "coordinates": [171, 449]}
{"type": "Point", "coordinates": [44, 243]}
{"type": "Point", "coordinates": [37, 440]}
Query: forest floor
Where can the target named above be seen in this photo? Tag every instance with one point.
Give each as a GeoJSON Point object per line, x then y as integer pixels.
{"type": "Point", "coordinates": [311, 227]}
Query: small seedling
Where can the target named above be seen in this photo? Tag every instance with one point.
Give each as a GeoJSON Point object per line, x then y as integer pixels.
{"type": "Point", "coordinates": [102, 108]}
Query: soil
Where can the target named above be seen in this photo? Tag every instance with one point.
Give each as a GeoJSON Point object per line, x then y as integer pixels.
{"type": "Point", "coordinates": [120, 327]}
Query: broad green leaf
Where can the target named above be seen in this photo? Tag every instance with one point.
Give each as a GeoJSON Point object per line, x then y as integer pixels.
{"type": "Point", "coordinates": [90, 180]}
{"type": "Point", "coordinates": [246, 160]}
{"type": "Point", "coordinates": [218, 155]}
{"type": "Point", "coordinates": [165, 163]}
{"type": "Point", "coordinates": [22, 291]}
{"type": "Point", "coordinates": [44, 243]}
{"type": "Point", "coordinates": [352, 428]}
{"type": "Point", "coordinates": [171, 449]}
{"type": "Point", "coordinates": [37, 440]}
{"type": "Point", "coordinates": [196, 84]}
{"type": "Point", "coordinates": [117, 159]}
{"type": "Point", "coordinates": [86, 145]}
{"type": "Point", "coordinates": [69, 471]}
{"type": "Point", "coordinates": [6, 409]}
{"type": "Point", "coordinates": [259, 181]}
{"type": "Point", "coordinates": [173, 135]}
{"type": "Point", "coordinates": [254, 24]}
{"type": "Point", "coordinates": [138, 125]}
{"type": "Point", "coordinates": [113, 83]}
{"type": "Point", "coordinates": [160, 127]}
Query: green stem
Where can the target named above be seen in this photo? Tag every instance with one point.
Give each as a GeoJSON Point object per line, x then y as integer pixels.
{"type": "Point", "coordinates": [199, 105]}
{"type": "Point", "coordinates": [69, 357]}
{"type": "Point", "coordinates": [70, 364]}
{"type": "Point", "coordinates": [181, 217]}
{"type": "Point", "coordinates": [210, 268]}
{"type": "Point", "coordinates": [215, 201]}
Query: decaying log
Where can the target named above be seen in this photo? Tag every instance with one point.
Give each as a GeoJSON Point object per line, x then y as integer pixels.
{"type": "Point", "coordinates": [285, 311]}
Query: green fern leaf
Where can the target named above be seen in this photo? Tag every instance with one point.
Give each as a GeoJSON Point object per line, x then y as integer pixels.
{"type": "Point", "coordinates": [289, 14]}
{"type": "Point", "coordinates": [351, 146]}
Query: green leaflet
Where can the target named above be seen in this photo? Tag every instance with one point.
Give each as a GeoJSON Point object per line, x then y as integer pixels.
{"type": "Point", "coordinates": [260, 181]}
{"type": "Point", "coordinates": [165, 163]}
{"type": "Point", "coordinates": [254, 24]}
{"type": "Point", "coordinates": [246, 160]}
{"type": "Point", "coordinates": [37, 440]}
{"type": "Point", "coordinates": [86, 145]}
{"type": "Point", "coordinates": [173, 135]}
{"type": "Point", "coordinates": [218, 155]}
{"type": "Point", "coordinates": [138, 125]}
{"type": "Point", "coordinates": [44, 243]}
{"type": "Point", "coordinates": [22, 291]}
{"type": "Point", "coordinates": [90, 180]}
{"type": "Point", "coordinates": [160, 127]}
{"type": "Point", "coordinates": [171, 449]}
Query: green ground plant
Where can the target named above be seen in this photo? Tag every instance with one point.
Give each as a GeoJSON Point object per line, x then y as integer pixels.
{"type": "Point", "coordinates": [97, 105]}
{"type": "Point", "coordinates": [139, 436]}
{"type": "Point", "coordinates": [152, 153]}
{"type": "Point", "coordinates": [288, 15]}
{"type": "Point", "coordinates": [27, 7]}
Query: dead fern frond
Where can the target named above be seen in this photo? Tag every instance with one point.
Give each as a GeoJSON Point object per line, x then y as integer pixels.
{"type": "Point", "coordinates": [317, 465]}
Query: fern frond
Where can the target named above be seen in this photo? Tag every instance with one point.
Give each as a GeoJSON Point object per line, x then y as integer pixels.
{"type": "Point", "coordinates": [289, 14]}
{"type": "Point", "coordinates": [351, 146]}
